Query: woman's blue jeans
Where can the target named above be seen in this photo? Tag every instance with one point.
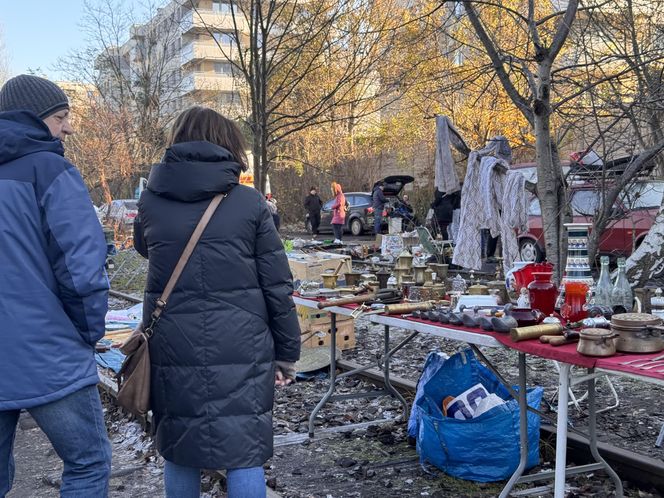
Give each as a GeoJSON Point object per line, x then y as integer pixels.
{"type": "Point", "coordinates": [338, 230]}
{"type": "Point", "coordinates": [185, 482]}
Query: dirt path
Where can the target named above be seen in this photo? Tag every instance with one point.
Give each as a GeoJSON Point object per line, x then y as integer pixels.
{"type": "Point", "coordinates": [38, 467]}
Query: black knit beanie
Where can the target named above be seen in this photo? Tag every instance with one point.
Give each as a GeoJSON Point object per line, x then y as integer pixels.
{"type": "Point", "coordinates": [32, 93]}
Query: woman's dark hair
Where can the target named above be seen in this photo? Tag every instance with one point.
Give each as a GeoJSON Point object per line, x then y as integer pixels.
{"type": "Point", "coordinates": [203, 124]}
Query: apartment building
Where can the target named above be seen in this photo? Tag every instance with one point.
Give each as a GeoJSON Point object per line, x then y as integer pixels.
{"type": "Point", "coordinates": [205, 59]}
{"type": "Point", "coordinates": [181, 56]}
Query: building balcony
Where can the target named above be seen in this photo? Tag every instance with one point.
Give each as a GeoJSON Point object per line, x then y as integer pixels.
{"type": "Point", "coordinates": [207, 82]}
{"type": "Point", "coordinates": [208, 19]}
{"type": "Point", "coordinates": [197, 51]}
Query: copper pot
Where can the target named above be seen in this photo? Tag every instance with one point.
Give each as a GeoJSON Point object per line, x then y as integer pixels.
{"type": "Point", "coordinates": [597, 342]}
{"type": "Point", "coordinates": [638, 333]}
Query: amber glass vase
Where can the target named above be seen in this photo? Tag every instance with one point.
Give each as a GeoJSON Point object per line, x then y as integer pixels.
{"type": "Point", "coordinates": [575, 308]}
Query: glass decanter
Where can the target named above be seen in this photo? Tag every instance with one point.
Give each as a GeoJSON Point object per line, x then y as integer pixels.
{"type": "Point", "coordinates": [604, 289]}
{"type": "Point", "coordinates": [621, 295]}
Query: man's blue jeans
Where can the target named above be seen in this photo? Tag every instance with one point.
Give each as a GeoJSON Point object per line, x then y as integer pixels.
{"type": "Point", "coordinates": [378, 221]}
{"type": "Point", "coordinates": [185, 482]}
{"type": "Point", "coordinates": [75, 427]}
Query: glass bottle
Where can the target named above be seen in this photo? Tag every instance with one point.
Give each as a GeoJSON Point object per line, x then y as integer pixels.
{"type": "Point", "coordinates": [621, 295]}
{"type": "Point", "coordinates": [604, 289]}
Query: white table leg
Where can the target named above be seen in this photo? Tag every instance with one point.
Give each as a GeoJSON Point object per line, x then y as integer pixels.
{"type": "Point", "coordinates": [561, 431]}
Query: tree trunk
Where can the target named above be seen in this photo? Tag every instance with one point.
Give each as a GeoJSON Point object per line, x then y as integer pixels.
{"type": "Point", "coordinates": [647, 261]}
{"type": "Point", "coordinates": [549, 181]}
{"type": "Point", "coordinates": [255, 149]}
{"type": "Point", "coordinates": [265, 164]}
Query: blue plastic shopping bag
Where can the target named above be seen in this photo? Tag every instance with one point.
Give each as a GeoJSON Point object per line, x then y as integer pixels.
{"type": "Point", "coordinates": [485, 448]}
{"type": "Point", "coordinates": [433, 363]}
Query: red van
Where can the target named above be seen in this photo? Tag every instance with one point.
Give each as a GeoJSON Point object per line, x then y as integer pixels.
{"type": "Point", "coordinates": [633, 215]}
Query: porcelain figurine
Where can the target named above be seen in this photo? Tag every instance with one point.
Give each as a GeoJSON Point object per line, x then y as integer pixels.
{"type": "Point", "coordinates": [524, 299]}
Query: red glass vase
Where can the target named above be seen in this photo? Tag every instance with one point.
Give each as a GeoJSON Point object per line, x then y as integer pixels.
{"type": "Point", "coordinates": [542, 293]}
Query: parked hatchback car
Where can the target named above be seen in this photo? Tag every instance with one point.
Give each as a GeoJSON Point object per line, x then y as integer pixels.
{"type": "Point", "coordinates": [360, 216]}
{"type": "Point", "coordinates": [120, 212]}
{"type": "Point", "coordinates": [633, 215]}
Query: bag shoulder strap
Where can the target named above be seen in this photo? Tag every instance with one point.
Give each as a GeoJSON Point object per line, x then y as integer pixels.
{"type": "Point", "coordinates": [184, 258]}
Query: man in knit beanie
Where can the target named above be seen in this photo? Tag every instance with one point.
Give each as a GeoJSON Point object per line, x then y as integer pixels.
{"type": "Point", "coordinates": [54, 291]}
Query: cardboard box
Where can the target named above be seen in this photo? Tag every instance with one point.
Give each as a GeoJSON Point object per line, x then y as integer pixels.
{"type": "Point", "coordinates": [394, 226]}
{"type": "Point", "coordinates": [309, 317]}
{"type": "Point", "coordinates": [322, 335]}
{"type": "Point", "coordinates": [391, 245]}
{"type": "Point", "coordinates": [406, 242]}
{"type": "Point", "coordinates": [310, 266]}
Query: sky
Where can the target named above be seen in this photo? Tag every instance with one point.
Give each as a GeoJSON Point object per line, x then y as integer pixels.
{"type": "Point", "coordinates": [38, 32]}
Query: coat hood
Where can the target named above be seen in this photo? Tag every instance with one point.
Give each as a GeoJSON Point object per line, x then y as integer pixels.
{"type": "Point", "coordinates": [194, 171]}
{"type": "Point", "coordinates": [23, 133]}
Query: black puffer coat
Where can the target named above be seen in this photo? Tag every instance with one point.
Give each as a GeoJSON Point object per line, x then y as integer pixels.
{"type": "Point", "coordinates": [230, 316]}
{"type": "Point", "coordinates": [444, 205]}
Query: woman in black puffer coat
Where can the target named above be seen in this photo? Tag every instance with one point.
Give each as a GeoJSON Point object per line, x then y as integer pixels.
{"type": "Point", "coordinates": [229, 331]}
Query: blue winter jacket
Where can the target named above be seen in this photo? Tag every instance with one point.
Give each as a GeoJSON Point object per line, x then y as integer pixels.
{"type": "Point", "coordinates": [53, 288]}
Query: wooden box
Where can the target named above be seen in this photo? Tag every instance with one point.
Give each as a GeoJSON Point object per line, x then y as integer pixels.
{"type": "Point", "coordinates": [309, 316]}
{"type": "Point", "coordinates": [345, 335]}
{"type": "Point", "coordinates": [310, 266]}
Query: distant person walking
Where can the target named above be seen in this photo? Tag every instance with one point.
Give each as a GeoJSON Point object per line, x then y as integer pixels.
{"type": "Point", "coordinates": [338, 212]}
{"type": "Point", "coordinates": [229, 332]}
{"type": "Point", "coordinates": [378, 204]}
{"type": "Point", "coordinates": [53, 290]}
{"type": "Point", "coordinates": [443, 206]}
{"type": "Point", "coordinates": [313, 205]}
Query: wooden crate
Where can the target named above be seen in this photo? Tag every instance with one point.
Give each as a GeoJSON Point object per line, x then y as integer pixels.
{"type": "Point", "coordinates": [310, 316]}
{"type": "Point", "coordinates": [310, 266]}
{"type": "Point", "coordinates": [345, 335]}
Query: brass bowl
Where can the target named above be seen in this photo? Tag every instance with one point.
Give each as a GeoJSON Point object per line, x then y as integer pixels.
{"type": "Point", "coordinates": [329, 280]}
{"type": "Point", "coordinates": [352, 278]}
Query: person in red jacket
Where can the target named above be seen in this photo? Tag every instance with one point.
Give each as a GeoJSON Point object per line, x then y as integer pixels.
{"type": "Point", "coordinates": [339, 212]}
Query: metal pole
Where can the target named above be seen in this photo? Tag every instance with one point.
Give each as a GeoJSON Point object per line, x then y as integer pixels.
{"type": "Point", "coordinates": [592, 422]}
{"type": "Point", "coordinates": [523, 428]}
{"type": "Point", "coordinates": [386, 372]}
{"type": "Point", "coordinates": [333, 373]}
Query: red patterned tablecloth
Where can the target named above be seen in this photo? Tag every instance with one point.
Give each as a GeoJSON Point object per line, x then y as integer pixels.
{"type": "Point", "coordinates": [565, 354]}
{"type": "Point", "coordinates": [568, 353]}
{"type": "Point", "coordinates": [615, 364]}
